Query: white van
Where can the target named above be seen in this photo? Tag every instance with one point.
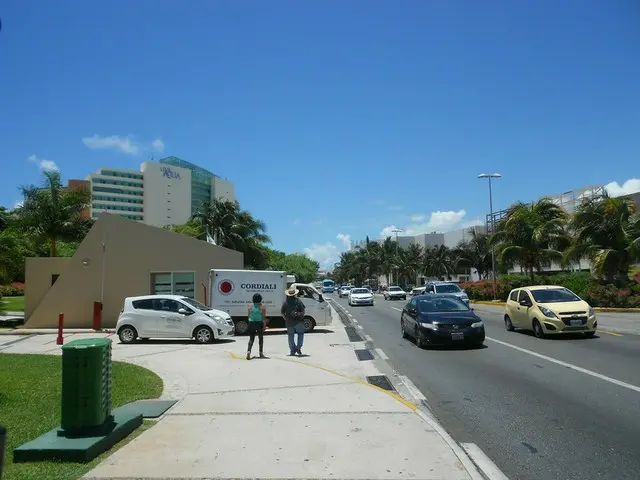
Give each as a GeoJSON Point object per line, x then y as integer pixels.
{"type": "Point", "coordinates": [232, 292]}
{"type": "Point", "coordinates": [171, 316]}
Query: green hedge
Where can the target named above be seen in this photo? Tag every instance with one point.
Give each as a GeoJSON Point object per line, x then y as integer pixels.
{"type": "Point", "coordinates": [11, 291]}
{"type": "Point", "coordinates": [582, 283]}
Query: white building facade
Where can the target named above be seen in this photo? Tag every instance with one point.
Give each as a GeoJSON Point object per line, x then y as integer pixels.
{"type": "Point", "coordinates": [159, 194]}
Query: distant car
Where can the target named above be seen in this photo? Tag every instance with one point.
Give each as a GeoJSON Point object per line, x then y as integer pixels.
{"type": "Point", "coordinates": [417, 290]}
{"type": "Point", "coordinates": [360, 296]}
{"type": "Point", "coordinates": [395, 293]}
{"type": "Point", "coordinates": [441, 319]}
{"type": "Point", "coordinates": [171, 316]}
{"type": "Point", "coordinates": [447, 287]}
{"type": "Point", "coordinates": [549, 310]}
{"type": "Point", "coordinates": [344, 291]}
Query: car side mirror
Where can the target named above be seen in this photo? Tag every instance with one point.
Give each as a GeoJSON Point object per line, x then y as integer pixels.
{"type": "Point", "coordinates": [182, 311]}
{"type": "Point", "coordinates": [524, 303]}
{"type": "Point", "coordinates": [321, 299]}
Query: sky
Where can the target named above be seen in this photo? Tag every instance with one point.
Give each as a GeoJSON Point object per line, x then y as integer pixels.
{"type": "Point", "coordinates": [333, 119]}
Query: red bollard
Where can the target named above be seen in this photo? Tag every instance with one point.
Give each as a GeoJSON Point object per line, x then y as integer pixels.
{"type": "Point", "coordinates": [60, 339]}
{"type": "Point", "coordinates": [97, 315]}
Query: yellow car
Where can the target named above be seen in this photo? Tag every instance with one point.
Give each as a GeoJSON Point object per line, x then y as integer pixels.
{"type": "Point", "coordinates": [549, 310]}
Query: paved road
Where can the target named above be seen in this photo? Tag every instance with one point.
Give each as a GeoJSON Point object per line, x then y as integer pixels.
{"type": "Point", "coordinates": [560, 409]}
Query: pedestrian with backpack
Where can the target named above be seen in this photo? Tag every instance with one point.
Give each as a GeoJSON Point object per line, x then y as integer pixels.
{"type": "Point", "coordinates": [257, 323]}
{"type": "Point", "coordinates": [293, 314]}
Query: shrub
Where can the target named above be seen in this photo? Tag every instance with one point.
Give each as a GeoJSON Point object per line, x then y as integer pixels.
{"type": "Point", "coordinates": [581, 283]}
{"type": "Point", "coordinates": [11, 291]}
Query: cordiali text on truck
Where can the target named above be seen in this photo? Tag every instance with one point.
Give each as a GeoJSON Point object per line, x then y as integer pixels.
{"type": "Point", "coordinates": [232, 292]}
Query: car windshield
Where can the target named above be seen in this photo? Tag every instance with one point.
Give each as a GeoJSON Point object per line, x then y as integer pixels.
{"type": "Point", "coordinates": [430, 305]}
{"type": "Point", "coordinates": [395, 289]}
{"type": "Point", "coordinates": [448, 288]}
{"type": "Point", "coordinates": [195, 303]}
{"type": "Point", "coordinates": [346, 288]}
{"type": "Point", "coordinates": [359, 290]}
{"type": "Point", "coordinates": [554, 295]}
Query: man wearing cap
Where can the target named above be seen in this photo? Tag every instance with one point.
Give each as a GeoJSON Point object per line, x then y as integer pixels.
{"type": "Point", "coordinates": [293, 314]}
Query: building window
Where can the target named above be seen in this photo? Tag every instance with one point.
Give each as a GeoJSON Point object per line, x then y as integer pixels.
{"type": "Point", "coordinates": [173, 283]}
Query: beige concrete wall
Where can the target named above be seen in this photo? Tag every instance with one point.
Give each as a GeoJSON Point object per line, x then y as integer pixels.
{"type": "Point", "coordinates": [132, 252]}
{"type": "Point", "coordinates": [39, 272]}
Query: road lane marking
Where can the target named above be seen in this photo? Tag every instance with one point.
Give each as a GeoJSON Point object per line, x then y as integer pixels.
{"type": "Point", "coordinates": [396, 308]}
{"type": "Point", "coordinates": [483, 462]}
{"type": "Point", "coordinates": [368, 338]}
{"type": "Point", "coordinates": [610, 333]}
{"type": "Point", "coordinates": [413, 390]}
{"type": "Point", "coordinates": [360, 327]}
{"type": "Point", "coordinates": [381, 354]}
{"type": "Point", "coordinates": [569, 365]}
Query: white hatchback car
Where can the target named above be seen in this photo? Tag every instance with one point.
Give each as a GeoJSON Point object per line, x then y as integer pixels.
{"type": "Point", "coordinates": [171, 316]}
{"type": "Point", "coordinates": [360, 296]}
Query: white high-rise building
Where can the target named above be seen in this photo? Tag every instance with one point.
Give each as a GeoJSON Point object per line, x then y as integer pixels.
{"type": "Point", "coordinates": [160, 193]}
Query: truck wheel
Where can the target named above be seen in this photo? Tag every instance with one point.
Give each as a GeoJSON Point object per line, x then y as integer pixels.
{"type": "Point", "coordinates": [242, 327]}
{"type": "Point", "coordinates": [309, 324]}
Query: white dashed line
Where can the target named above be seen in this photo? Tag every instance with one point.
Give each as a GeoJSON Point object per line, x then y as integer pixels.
{"type": "Point", "coordinates": [381, 354]}
{"type": "Point", "coordinates": [396, 308]}
{"type": "Point", "coordinates": [483, 462]}
{"type": "Point", "coordinates": [360, 327]}
{"type": "Point", "coordinates": [569, 365]}
{"type": "Point", "coordinates": [368, 338]}
{"type": "Point", "coordinates": [413, 390]}
{"type": "Point", "coordinates": [354, 320]}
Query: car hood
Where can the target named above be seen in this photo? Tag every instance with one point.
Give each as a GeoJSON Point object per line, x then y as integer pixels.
{"type": "Point", "coordinates": [216, 313]}
{"type": "Point", "coordinates": [566, 307]}
{"type": "Point", "coordinates": [450, 317]}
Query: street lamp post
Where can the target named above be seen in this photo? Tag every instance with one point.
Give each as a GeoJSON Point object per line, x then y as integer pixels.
{"type": "Point", "coordinates": [493, 248]}
{"type": "Point", "coordinates": [396, 231]}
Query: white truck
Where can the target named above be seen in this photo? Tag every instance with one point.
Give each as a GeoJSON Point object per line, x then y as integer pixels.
{"type": "Point", "coordinates": [232, 292]}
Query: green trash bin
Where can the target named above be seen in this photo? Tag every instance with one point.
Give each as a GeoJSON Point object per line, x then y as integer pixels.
{"type": "Point", "coordinates": [86, 384]}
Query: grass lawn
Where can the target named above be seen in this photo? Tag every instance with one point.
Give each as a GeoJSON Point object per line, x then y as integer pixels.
{"type": "Point", "coordinates": [12, 304]}
{"type": "Point", "coordinates": [30, 390]}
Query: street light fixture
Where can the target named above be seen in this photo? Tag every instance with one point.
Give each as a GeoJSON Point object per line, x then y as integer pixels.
{"type": "Point", "coordinates": [493, 221]}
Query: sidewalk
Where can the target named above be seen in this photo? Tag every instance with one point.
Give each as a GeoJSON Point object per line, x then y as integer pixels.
{"type": "Point", "coordinates": [313, 417]}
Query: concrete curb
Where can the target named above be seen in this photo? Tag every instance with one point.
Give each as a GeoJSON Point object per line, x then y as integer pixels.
{"type": "Point", "coordinates": [597, 309]}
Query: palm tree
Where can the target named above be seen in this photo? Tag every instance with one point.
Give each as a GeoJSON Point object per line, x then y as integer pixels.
{"type": "Point", "coordinates": [439, 262]}
{"type": "Point", "coordinates": [236, 229]}
{"type": "Point", "coordinates": [532, 235]}
{"type": "Point", "coordinates": [52, 213]}
{"type": "Point", "coordinates": [388, 257]}
{"type": "Point", "coordinates": [475, 253]}
{"type": "Point", "coordinates": [410, 262]}
{"type": "Point", "coordinates": [607, 231]}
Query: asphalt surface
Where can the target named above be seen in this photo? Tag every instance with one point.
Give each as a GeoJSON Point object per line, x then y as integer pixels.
{"type": "Point", "coordinates": [537, 419]}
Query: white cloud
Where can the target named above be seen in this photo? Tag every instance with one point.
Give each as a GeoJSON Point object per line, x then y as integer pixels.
{"type": "Point", "coordinates": [325, 254]}
{"type": "Point", "coordinates": [316, 222]}
{"type": "Point", "coordinates": [43, 163]}
{"type": "Point", "coordinates": [297, 221]}
{"type": "Point", "coordinates": [440, 221]}
{"type": "Point", "coordinates": [472, 223]}
{"type": "Point", "coordinates": [395, 208]}
{"type": "Point", "coordinates": [614, 189]}
{"type": "Point", "coordinates": [345, 238]}
{"type": "Point", "coordinates": [158, 145]}
{"type": "Point", "coordinates": [17, 204]}
{"type": "Point", "coordinates": [388, 231]}
{"type": "Point", "coordinates": [125, 145]}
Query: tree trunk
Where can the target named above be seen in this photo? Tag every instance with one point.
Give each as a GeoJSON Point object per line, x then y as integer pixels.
{"type": "Point", "coordinates": [53, 251]}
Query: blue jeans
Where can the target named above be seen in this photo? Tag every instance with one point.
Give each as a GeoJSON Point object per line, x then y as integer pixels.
{"type": "Point", "coordinates": [291, 331]}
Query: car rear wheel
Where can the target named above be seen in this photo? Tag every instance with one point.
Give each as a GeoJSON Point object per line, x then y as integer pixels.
{"type": "Point", "coordinates": [127, 334]}
{"type": "Point", "coordinates": [507, 323]}
{"type": "Point", "coordinates": [420, 342]}
{"type": "Point", "coordinates": [203, 334]}
{"type": "Point", "coordinates": [404, 332]}
{"type": "Point", "coordinates": [537, 329]}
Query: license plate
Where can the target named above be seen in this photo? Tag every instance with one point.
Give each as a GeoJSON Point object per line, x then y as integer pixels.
{"type": "Point", "coordinates": [576, 323]}
{"type": "Point", "coordinates": [457, 336]}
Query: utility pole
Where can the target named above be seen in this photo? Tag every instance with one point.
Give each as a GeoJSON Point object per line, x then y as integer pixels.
{"type": "Point", "coordinates": [493, 225]}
